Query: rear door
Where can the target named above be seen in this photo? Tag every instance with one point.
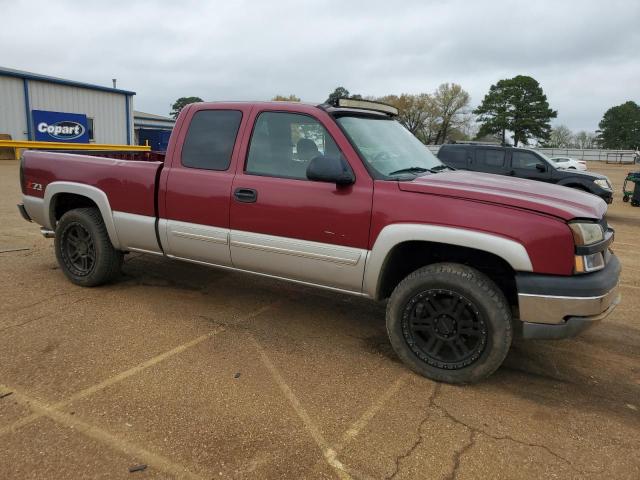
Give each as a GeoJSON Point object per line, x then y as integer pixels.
{"type": "Point", "coordinates": [490, 160]}
{"type": "Point", "coordinates": [194, 218]}
{"type": "Point", "coordinates": [285, 225]}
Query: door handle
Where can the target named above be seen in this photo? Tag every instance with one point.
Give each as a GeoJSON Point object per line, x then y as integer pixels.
{"type": "Point", "coordinates": [245, 195]}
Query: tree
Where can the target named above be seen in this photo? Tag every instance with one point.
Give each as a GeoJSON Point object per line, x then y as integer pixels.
{"type": "Point", "coordinates": [518, 105]}
{"type": "Point", "coordinates": [560, 137]}
{"type": "Point", "coordinates": [620, 127]}
{"type": "Point", "coordinates": [449, 101]}
{"type": "Point", "coordinates": [282, 98]}
{"type": "Point", "coordinates": [584, 139]}
{"type": "Point", "coordinates": [181, 103]}
{"type": "Point", "coordinates": [339, 92]}
{"type": "Point", "coordinates": [416, 112]}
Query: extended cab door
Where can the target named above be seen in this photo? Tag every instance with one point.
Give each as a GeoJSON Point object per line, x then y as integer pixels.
{"type": "Point", "coordinates": [196, 189]}
{"type": "Point", "coordinates": [285, 225]}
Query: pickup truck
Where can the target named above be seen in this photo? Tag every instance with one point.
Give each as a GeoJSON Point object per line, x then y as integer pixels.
{"type": "Point", "coordinates": [342, 197]}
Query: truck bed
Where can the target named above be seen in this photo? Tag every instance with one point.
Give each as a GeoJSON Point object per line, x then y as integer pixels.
{"type": "Point", "coordinates": [129, 184]}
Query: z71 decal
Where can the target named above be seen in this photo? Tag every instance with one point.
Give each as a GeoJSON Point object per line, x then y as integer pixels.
{"type": "Point", "coordinates": [34, 186]}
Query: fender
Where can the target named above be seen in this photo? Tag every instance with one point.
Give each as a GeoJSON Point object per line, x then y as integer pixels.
{"type": "Point", "coordinates": [586, 184]}
{"type": "Point", "coordinates": [510, 251]}
{"type": "Point", "coordinates": [93, 193]}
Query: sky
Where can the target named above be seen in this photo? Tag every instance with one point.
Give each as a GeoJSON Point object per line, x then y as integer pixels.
{"type": "Point", "coordinates": [585, 54]}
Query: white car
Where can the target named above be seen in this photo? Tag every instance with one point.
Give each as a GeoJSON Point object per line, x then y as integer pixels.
{"type": "Point", "coordinates": [567, 163]}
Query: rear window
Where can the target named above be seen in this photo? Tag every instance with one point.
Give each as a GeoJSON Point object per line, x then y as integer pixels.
{"type": "Point", "coordinates": [490, 158]}
{"type": "Point", "coordinates": [210, 139]}
{"type": "Point", "coordinates": [453, 156]}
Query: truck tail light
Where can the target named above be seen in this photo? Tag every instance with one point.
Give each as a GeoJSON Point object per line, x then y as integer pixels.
{"type": "Point", "coordinates": [23, 185]}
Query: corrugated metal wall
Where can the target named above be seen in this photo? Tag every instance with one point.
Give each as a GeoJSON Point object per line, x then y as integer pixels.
{"type": "Point", "coordinates": [108, 110]}
{"type": "Point", "coordinates": [13, 117]}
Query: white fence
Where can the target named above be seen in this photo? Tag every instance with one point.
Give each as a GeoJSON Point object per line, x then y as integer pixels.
{"type": "Point", "coordinates": [595, 155]}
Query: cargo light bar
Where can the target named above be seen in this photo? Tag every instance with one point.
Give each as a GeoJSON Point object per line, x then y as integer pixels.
{"type": "Point", "coordinates": [367, 105]}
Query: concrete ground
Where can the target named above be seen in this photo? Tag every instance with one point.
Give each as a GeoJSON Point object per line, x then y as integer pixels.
{"type": "Point", "coordinates": [200, 373]}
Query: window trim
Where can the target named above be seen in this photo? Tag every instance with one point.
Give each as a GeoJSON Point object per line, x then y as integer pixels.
{"type": "Point", "coordinates": [250, 139]}
{"type": "Point", "coordinates": [235, 139]}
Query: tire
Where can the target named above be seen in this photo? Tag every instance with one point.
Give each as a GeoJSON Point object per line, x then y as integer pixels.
{"type": "Point", "coordinates": [441, 310]}
{"type": "Point", "coordinates": [83, 249]}
{"type": "Point", "coordinates": [625, 198]}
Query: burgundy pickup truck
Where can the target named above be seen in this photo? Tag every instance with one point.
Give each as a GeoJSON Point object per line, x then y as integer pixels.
{"type": "Point", "coordinates": [342, 197]}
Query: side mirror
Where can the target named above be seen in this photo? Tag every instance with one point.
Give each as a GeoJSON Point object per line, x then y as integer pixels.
{"type": "Point", "coordinates": [330, 169]}
{"type": "Point", "coordinates": [541, 167]}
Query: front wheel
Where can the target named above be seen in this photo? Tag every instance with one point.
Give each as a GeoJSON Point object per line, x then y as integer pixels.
{"type": "Point", "coordinates": [450, 323]}
{"type": "Point", "coordinates": [83, 249]}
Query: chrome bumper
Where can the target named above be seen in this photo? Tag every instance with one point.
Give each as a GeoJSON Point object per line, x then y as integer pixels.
{"type": "Point", "coordinates": [553, 306]}
{"type": "Point", "coordinates": [552, 309]}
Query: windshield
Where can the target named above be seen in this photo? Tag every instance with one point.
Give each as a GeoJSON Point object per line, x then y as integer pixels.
{"type": "Point", "coordinates": [389, 148]}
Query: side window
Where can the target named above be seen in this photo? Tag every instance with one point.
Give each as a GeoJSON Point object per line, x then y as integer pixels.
{"type": "Point", "coordinates": [210, 139]}
{"type": "Point", "coordinates": [91, 129]}
{"type": "Point", "coordinates": [490, 158]}
{"type": "Point", "coordinates": [283, 144]}
{"type": "Point", "coordinates": [524, 160]}
{"type": "Point", "coordinates": [456, 157]}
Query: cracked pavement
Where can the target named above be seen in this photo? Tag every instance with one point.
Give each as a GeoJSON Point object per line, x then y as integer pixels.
{"type": "Point", "coordinates": [201, 373]}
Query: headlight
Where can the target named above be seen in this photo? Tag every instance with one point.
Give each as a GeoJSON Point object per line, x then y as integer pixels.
{"type": "Point", "coordinates": [603, 183]}
{"type": "Point", "coordinates": [586, 233]}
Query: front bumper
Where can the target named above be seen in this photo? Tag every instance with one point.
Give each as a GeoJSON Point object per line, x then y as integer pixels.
{"type": "Point", "coordinates": [559, 307]}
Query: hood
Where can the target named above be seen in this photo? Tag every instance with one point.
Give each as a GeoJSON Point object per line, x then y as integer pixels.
{"type": "Point", "coordinates": [583, 174]}
{"type": "Point", "coordinates": [563, 202]}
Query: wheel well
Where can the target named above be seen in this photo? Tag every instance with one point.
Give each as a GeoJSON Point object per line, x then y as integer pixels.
{"type": "Point", "coordinates": [407, 257]}
{"type": "Point", "coordinates": [577, 186]}
{"type": "Point", "coordinates": [61, 203]}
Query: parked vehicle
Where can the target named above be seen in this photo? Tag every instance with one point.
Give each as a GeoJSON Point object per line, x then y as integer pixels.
{"type": "Point", "coordinates": [569, 163]}
{"type": "Point", "coordinates": [344, 198]}
{"type": "Point", "coordinates": [522, 163]}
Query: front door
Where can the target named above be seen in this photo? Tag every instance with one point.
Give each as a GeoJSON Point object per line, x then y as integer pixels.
{"type": "Point", "coordinates": [529, 165]}
{"type": "Point", "coordinates": [285, 225]}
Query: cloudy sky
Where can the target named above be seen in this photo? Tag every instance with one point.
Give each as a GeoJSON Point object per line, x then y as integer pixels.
{"type": "Point", "coordinates": [585, 54]}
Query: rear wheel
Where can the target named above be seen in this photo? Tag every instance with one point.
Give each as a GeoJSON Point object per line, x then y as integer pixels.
{"type": "Point", "coordinates": [83, 249]}
{"type": "Point", "coordinates": [450, 323]}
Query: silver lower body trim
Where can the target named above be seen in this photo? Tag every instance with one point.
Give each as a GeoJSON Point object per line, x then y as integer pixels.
{"type": "Point", "coordinates": [551, 309]}
{"type": "Point", "coordinates": [300, 282]}
{"type": "Point", "coordinates": [136, 232]}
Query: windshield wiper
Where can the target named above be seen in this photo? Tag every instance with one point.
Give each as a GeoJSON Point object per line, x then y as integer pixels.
{"type": "Point", "coordinates": [437, 168]}
{"type": "Point", "coordinates": [410, 170]}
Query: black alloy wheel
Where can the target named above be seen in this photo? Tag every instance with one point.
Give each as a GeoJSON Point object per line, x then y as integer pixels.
{"type": "Point", "coordinates": [78, 249]}
{"type": "Point", "coordinates": [444, 328]}
{"type": "Point", "coordinates": [449, 322]}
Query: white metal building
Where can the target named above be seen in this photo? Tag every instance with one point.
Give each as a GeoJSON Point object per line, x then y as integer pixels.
{"type": "Point", "coordinates": [25, 95]}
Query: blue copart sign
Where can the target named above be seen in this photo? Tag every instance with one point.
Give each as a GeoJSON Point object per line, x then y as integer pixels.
{"type": "Point", "coordinates": [60, 126]}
